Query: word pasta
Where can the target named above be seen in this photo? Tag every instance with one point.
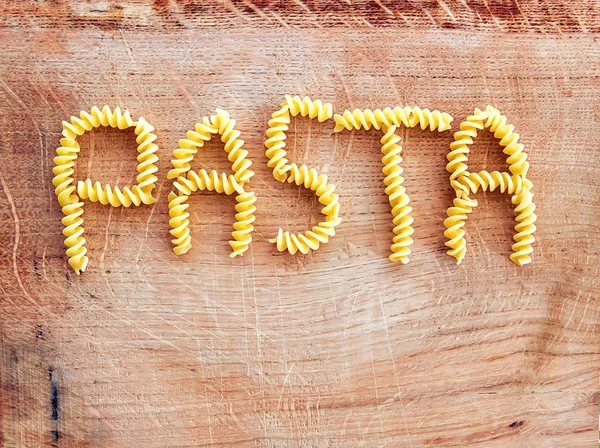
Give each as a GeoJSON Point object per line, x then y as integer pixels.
{"type": "Point", "coordinates": [71, 193]}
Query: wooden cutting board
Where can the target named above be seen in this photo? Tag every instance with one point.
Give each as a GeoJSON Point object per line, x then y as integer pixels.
{"type": "Point", "coordinates": [340, 347]}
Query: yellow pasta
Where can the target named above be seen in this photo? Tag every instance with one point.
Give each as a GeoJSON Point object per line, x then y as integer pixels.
{"type": "Point", "coordinates": [303, 242]}
{"type": "Point", "coordinates": [465, 183]}
{"type": "Point", "coordinates": [522, 198]}
{"type": "Point", "coordinates": [409, 117]}
{"type": "Point", "coordinates": [454, 223]}
{"type": "Point", "coordinates": [243, 226]}
{"type": "Point", "coordinates": [146, 179]}
{"type": "Point", "coordinates": [490, 181]}
{"type": "Point", "coordinates": [459, 148]}
{"type": "Point", "coordinates": [305, 107]}
{"type": "Point", "coordinates": [211, 181]}
{"type": "Point", "coordinates": [509, 140]}
{"type": "Point", "coordinates": [70, 194]}
{"type": "Point", "coordinates": [398, 198]}
{"type": "Point", "coordinates": [319, 234]}
{"type": "Point", "coordinates": [292, 106]}
{"type": "Point", "coordinates": [179, 222]}
{"type": "Point", "coordinates": [525, 209]}
{"type": "Point", "coordinates": [225, 126]}
{"type": "Point", "coordinates": [188, 181]}
{"type": "Point", "coordinates": [188, 147]}
{"type": "Point", "coordinates": [301, 175]}
{"type": "Point", "coordinates": [72, 207]}
{"type": "Point", "coordinates": [207, 180]}
{"type": "Point", "coordinates": [275, 143]}
{"type": "Point", "coordinates": [388, 120]}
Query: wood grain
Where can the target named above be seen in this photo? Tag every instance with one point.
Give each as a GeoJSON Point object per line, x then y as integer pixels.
{"type": "Point", "coordinates": [339, 347]}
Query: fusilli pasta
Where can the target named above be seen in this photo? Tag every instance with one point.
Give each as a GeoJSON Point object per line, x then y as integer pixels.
{"type": "Point", "coordinates": [275, 143]}
{"type": "Point", "coordinates": [70, 194]}
{"type": "Point", "coordinates": [243, 226]}
{"type": "Point", "coordinates": [409, 117]}
{"type": "Point", "coordinates": [188, 147]}
{"type": "Point", "coordinates": [301, 175]}
{"type": "Point", "coordinates": [398, 198]}
{"type": "Point", "coordinates": [525, 209]}
{"type": "Point", "coordinates": [209, 181]}
{"type": "Point", "coordinates": [465, 183]}
{"type": "Point", "coordinates": [454, 223]}
{"type": "Point", "coordinates": [188, 181]}
{"type": "Point", "coordinates": [179, 222]}
{"type": "Point", "coordinates": [388, 120]}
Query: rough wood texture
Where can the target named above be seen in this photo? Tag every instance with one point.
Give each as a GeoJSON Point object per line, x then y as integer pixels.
{"type": "Point", "coordinates": [338, 348]}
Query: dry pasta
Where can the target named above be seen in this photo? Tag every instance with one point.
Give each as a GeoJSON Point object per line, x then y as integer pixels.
{"type": "Point", "coordinates": [409, 117]}
{"type": "Point", "coordinates": [146, 179]}
{"type": "Point", "coordinates": [188, 147]}
{"type": "Point", "coordinates": [319, 234]}
{"type": "Point", "coordinates": [72, 207]}
{"type": "Point", "coordinates": [70, 194]}
{"type": "Point", "coordinates": [454, 223]}
{"type": "Point", "coordinates": [179, 223]}
{"type": "Point", "coordinates": [243, 226]}
{"type": "Point", "coordinates": [279, 124]}
{"type": "Point", "coordinates": [275, 142]}
{"type": "Point", "coordinates": [301, 175]}
{"type": "Point", "coordinates": [465, 183]}
{"type": "Point", "coordinates": [398, 198]}
{"type": "Point", "coordinates": [490, 181]}
{"type": "Point", "coordinates": [388, 120]}
{"type": "Point", "coordinates": [207, 181]}
{"type": "Point", "coordinates": [526, 217]}
{"type": "Point", "coordinates": [240, 165]}
{"type": "Point", "coordinates": [188, 181]}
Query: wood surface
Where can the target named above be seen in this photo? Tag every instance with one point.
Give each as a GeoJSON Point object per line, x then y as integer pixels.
{"type": "Point", "coordinates": [340, 347]}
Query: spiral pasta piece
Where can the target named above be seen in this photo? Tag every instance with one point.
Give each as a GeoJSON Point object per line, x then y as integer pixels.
{"type": "Point", "coordinates": [243, 226]}
{"type": "Point", "coordinates": [207, 181]}
{"type": "Point", "coordinates": [225, 126]}
{"type": "Point", "coordinates": [491, 181]}
{"type": "Point", "coordinates": [454, 223]}
{"type": "Point", "coordinates": [304, 242]}
{"type": "Point", "coordinates": [312, 180]}
{"type": "Point", "coordinates": [398, 198]}
{"type": "Point", "coordinates": [75, 240]}
{"type": "Point", "coordinates": [526, 217]}
{"type": "Point", "coordinates": [409, 117]}
{"type": "Point", "coordinates": [179, 222]}
{"type": "Point", "coordinates": [466, 183]}
{"type": "Point", "coordinates": [301, 175]}
{"type": "Point", "coordinates": [306, 107]}
{"type": "Point", "coordinates": [69, 193]}
{"type": "Point", "coordinates": [95, 119]}
{"type": "Point", "coordinates": [188, 147]}
{"type": "Point", "coordinates": [188, 181]}
{"type": "Point", "coordinates": [275, 143]}
{"type": "Point", "coordinates": [95, 192]}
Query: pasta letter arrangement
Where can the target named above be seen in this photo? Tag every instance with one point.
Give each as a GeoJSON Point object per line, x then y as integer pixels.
{"type": "Point", "coordinates": [514, 182]}
{"type": "Point", "coordinates": [70, 193]}
{"type": "Point", "coordinates": [301, 175]}
{"type": "Point", "coordinates": [188, 181]}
